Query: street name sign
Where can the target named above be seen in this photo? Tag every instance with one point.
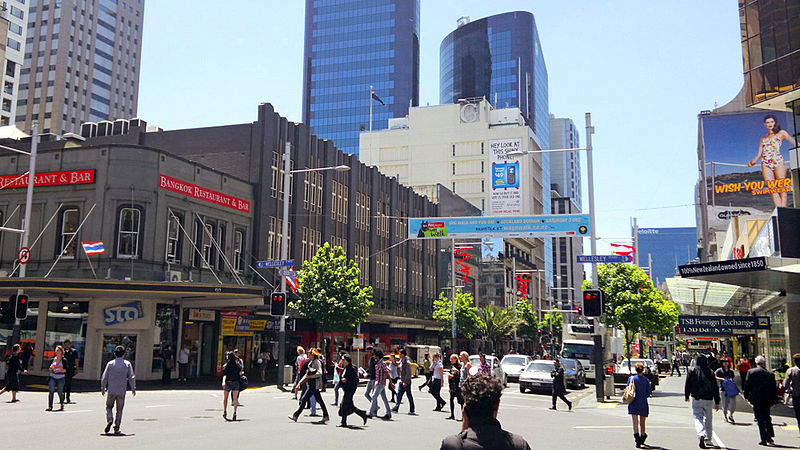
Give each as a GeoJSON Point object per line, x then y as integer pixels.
{"type": "Point", "coordinates": [585, 259]}
{"type": "Point", "coordinates": [275, 263]}
{"type": "Point", "coordinates": [286, 273]}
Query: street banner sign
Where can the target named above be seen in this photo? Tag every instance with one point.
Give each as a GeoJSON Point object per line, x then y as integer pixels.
{"type": "Point", "coordinates": [275, 263]}
{"type": "Point", "coordinates": [721, 267]}
{"type": "Point", "coordinates": [602, 259]}
{"type": "Point", "coordinates": [555, 225]}
{"type": "Point", "coordinates": [722, 325]}
{"type": "Point", "coordinates": [24, 255]}
{"type": "Point", "coordinates": [286, 273]}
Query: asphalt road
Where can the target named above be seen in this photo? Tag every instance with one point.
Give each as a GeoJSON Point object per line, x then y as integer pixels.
{"type": "Point", "coordinates": [193, 419]}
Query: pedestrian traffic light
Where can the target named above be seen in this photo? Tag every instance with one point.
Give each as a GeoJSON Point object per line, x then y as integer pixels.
{"type": "Point", "coordinates": [21, 311]}
{"type": "Point", "coordinates": [593, 303]}
{"type": "Point", "coordinates": [278, 304]}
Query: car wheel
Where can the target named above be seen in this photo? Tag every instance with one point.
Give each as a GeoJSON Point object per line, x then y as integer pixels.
{"type": "Point", "coordinates": [522, 389]}
{"type": "Point", "coordinates": [505, 382]}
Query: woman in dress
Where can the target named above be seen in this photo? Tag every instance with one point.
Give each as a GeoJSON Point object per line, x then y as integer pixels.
{"type": "Point", "coordinates": [13, 368]}
{"type": "Point", "coordinates": [773, 166]}
{"type": "Point", "coordinates": [57, 379]}
{"type": "Point", "coordinates": [231, 374]}
{"type": "Point", "coordinates": [455, 385]}
{"type": "Point", "coordinates": [638, 408]}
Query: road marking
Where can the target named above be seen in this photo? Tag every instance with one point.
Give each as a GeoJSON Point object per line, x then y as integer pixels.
{"type": "Point", "coordinates": [718, 440]}
{"type": "Point", "coordinates": [157, 406]}
{"type": "Point", "coordinates": [38, 386]}
{"type": "Point", "coordinates": [789, 427]}
{"type": "Point", "coordinates": [75, 411]}
{"type": "Point", "coordinates": [609, 427]}
{"type": "Point", "coordinates": [606, 405]}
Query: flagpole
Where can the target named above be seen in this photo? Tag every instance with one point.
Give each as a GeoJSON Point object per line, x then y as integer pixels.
{"type": "Point", "coordinates": [370, 116]}
{"type": "Point", "coordinates": [89, 260]}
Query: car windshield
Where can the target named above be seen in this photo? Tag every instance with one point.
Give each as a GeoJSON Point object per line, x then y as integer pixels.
{"type": "Point", "coordinates": [570, 364]}
{"type": "Point", "coordinates": [582, 351]}
{"type": "Point", "coordinates": [644, 362]}
{"type": "Point", "coordinates": [539, 367]}
{"type": "Point", "coordinates": [514, 361]}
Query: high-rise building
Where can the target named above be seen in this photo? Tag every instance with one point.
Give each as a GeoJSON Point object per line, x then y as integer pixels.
{"type": "Point", "coordinates": [568, 275]}
{"type": "Point", "coordinates": [82, 63]}
{"type": "Point", "coordinates": [351, 45]}
{"type": "Point", "coordinates": [12, 33]}
{"type": "Point", "coordinates": [565, 167]}
{"type": "Point", "coordinates": [662, 250]}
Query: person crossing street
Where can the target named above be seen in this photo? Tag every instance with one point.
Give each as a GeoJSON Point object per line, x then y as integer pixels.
{"type": "Point", "coordinates": [559, 385]}
{"type": "Point", "coordinates": [71, 368]}
{"type": "Point", "coordinates": [117, 377]}
{"type": "Point", "coordinates": [381, 376]}
{"type": "Point", "coordinates": [349, 383]}
{"type": "Point", "coordinates": [437, 375]}
{"type": "Point", "coordinates": [405, 384]}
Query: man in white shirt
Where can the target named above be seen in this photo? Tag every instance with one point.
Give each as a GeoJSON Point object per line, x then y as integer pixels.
{"type": "Point", "coordinates": [183, 363]}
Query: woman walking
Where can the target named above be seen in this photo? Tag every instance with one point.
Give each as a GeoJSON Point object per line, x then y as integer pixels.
{"type": "Point", "coordinates": [301, 358]}
{"type": "Point", "coordinates": [727, 389]}
{"type": "Point", "coordinates": [702, 387]}
{"type": "Point", "coordinates": [455, 385]}
{"type": "Point", "coordinates": [57, 375]}
{"type": "Point", "coordinates": [12, 373]}
{"type": "Point", "coordinates": [639, 409]}
{"type": "Point", "coordinates": [312, 380]}
{"type": "Point", "coordinates": [231, 375]}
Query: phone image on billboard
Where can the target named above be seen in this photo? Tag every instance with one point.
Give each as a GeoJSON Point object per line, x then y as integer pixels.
{"type": "Point", "coordinates": [511, 175]}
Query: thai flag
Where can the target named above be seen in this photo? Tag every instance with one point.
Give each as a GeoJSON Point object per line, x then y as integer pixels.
{"type": "Point", "coordinates": [375, 96]}
{"type": "Point", "coordinates": [291, 280]}
{"type": "Point", "coordinates": [93, 248]}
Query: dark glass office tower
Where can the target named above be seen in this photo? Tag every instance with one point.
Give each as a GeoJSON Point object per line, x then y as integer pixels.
{"type": "Point", "coordinates": [498, 57]}
{"type": "Point", "coordinates": [351, 45]}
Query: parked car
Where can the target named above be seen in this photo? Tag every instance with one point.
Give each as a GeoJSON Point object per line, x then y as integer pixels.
{"type": "Point", "coordinates": [513, 365]}
{"type": "Point", "coordinates": [536, 376]}
{"type": "Point", "coordinates": [496, 369]}
{"type": "Point", "coordinates": [574, 374]}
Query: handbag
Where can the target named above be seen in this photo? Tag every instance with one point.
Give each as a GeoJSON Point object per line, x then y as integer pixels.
{"type": "Point", "coordinates": [730, 388]}
{"type": "Point", "coordinates": [243, 382]}
{"type": "Point", "coordinates": [630, 392]}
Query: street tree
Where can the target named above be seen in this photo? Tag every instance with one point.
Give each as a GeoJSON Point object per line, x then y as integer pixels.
{"type": "Point", "coordinates": [330, 293]}
{"type": "Point", "coordinates": [552, 321]}
{"type": "Point", "coordinates": [528, 320]}
{"type": "Point", "coordinates": [497, 323]}
{"type": "Point", "coordinates": [467, 321]}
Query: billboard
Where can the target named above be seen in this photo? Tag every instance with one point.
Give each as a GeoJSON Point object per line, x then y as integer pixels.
{"type": "Point", "coordinates": [746, 157]}
{"type": "Point", "coordinates": [480, 227]}
{"type": "Point", "coordinates": [506, 197]}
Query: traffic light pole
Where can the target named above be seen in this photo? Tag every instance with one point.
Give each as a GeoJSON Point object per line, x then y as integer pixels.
{"type": "Point", "coordinates": [284, 256]}
{"type": "Point", "coordinates": [26, 228]}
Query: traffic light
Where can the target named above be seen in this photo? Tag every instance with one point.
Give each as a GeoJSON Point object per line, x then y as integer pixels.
{"type": "Point", "coordinates": [21, 311]}
{"type": "Point", "coordinates": [278, 304]}
{"type": "Point", "coordinates": [593, 303]}
{"type": "Point", "coordinates": [580, 310]}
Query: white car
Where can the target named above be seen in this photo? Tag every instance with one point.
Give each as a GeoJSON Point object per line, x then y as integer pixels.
{"type": "Point", "coordinates": [496, 370]}
{"type": "Point", "coordinates": [513, 365]}
{"type": "Point", "coordinates": [537, 377]}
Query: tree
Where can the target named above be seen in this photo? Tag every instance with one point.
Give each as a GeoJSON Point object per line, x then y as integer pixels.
{"type": "Point", "coordinates": [330, 292]}
{"type": "Point", "coordinates": [528, 320]}
{"type": "Point", "coordinates": [633, 303]}
{"type": "Point", "coordinates": [467, 321]}
{"type": "Point", "coordinates": [497, 323]}
{"type": "Point", "coordinates": [556, 319]}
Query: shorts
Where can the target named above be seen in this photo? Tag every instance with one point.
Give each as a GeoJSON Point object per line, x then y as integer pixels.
{"type": "Point", "coordinates": [231, 385]}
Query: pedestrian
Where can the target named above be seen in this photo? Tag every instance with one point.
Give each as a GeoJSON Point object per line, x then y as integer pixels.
{"type": "Point", "coordinates": [744, 367]}
{"type": "Point", "coordinates": [231, 377]}
{"type": "Point", "coordinates": [483, 366]}
{"type": "Point", "coordinates": [117, 377]}
{"type": "Point", "coordinates": [479, 427]}
{"type": "Point", "coordinates": [183, 363]}
{"type": "Point", "coordinates": [639, 409]}
{"type": "Point", "coordinates": [298, 364]}
{"type": "Point", "coordinates": [167, 364]}
{"type": "Point", "coordinates": [263, 361]}
{"type": "Point", "coordinates": [791, 385]}
{"type": "Point", "coordinates": [312, 403]}
{"type": "Point", "coordinates": [702, 387]}
{"type": "Point", "coordinates": [559, 385]}
{"type": "Point", "coordinates": [337, 378]}
{"type": "Point", "coordinates": [349, 384]}
{"type": "Point", "coordinates": [381, 375]}
{"type": "Point", "coordinates": [426, 370]}
{"type": "Point", "coordinates": [727, 389]}
{"type": "Point", "coordinates": [312, 379]}
{"type": "Point", "coordinates": [762, 392]}
{"type": "Point", "coordinates": [370, 353]}
{"type": "Point", "coordinates": [676, 366]}
{"type": "Point", "coordinates": [394, 376]}
{"type": "Point", "coordinates": [454, 382]}
{"type": "Point", "coordinates": [13, 368]}
{"type": "Point", "coordinates": [405, 384]}
{"type": "Point", "coordinates": [437, 374]}
{"type": "Point", "coordinates": [715, 362]}
{"type": "Point", "coordinates": [71, 363]}
{"type": "Point", "coordinates": [465, 366]}
{"type": "Point", "coordinates": [57, 376]}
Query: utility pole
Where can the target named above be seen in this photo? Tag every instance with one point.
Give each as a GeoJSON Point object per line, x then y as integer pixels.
{"type": "Point", "coordinates": [636, 242]}
{"type": "Point", "coordinates": [599, 354]}
{"type": "Point", "coordinates": [453, 290]}
{"type": "Point", "coordinates": [284, 256]}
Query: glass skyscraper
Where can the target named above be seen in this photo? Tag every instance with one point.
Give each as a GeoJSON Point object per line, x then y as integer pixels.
{"type": "Point", "coordinates": [351, 45]}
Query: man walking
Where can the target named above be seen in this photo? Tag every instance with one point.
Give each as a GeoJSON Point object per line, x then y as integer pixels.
{"type": "Point", "coordinates": [71, 366]}
{"type": "Point", "coordinates": [117, 376]}
{"type": "Point", "coordinates": [676, 365]}
{"type": "Point", "coordinates": [760, 390]}
{"type": "Point", "coordinates": [381, 375]}
{"type": "Point", "coordinates": [349, 384]}
{"type": "Point", "coordinates": [559, 386]}
{"type": "Point", "coordinates": [702, 387]}
{"type": "Point", "coordinates": [792, 385]}
{"type": "Point", "coordinates": [405, 384]}
{"type": "Point", "coordinates": [437, 374]}
{"type": "Point", "coordinates": [426, 370]}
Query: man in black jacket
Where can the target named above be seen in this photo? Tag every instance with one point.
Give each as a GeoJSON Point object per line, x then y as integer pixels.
{"type": "Point", "coordinates": [702, 387]}
{"type": "Point", "coordinates": [762, 392]}
{"type": "Point", "coordinates": [71, 367]}
{"type": "Point", "coordinates": [349, 384]}
{"type": "Point", "coordinates": [480, 428]}
{"type": "Point", "coordinates": [559, 386]}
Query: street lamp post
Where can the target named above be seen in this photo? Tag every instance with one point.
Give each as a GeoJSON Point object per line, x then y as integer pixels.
{"type": "Point", "coordinates": [285, 245]}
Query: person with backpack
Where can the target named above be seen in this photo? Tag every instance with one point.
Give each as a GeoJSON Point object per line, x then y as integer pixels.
{"type": "Point", "coordinates": [702, 387]}
{"type": "Point", "coordinates": [635, 395]}
{"type": "Point", "coordinates": [728, 391]}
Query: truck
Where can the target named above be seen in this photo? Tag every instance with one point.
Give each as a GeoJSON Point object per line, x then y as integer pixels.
{"type": "Point", "coordinates": [578, 343]}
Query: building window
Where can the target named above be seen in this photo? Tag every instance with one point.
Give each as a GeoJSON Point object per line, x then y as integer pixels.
{"type": "Point", "coordinates": [221, 244]}
{"type": "Point", "coordinates": [69, 227]}
{"type": "Point", "coordinates": [130, 220]}
{"type": "Point", "coordinates": [164, 332]}
{"type": "Point", "coordinates": [206, 247]}
{"type": "Point", "coordinates": [238, 250]}
{"type": "Point", "coordinates": [174, 238]}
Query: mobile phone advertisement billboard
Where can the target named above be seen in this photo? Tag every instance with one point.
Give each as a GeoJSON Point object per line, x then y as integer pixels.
{"type": "Point", "coordinates": [506, 196]}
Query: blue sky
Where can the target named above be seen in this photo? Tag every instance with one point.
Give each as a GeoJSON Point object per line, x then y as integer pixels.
{"type": "Point", "coordinates": [643, 69]}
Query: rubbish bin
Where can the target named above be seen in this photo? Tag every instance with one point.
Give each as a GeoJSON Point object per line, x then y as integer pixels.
{"type": "Point", "coordinates": [287, 374]}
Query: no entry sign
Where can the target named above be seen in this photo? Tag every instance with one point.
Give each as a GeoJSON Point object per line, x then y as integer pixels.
{"type": "Point", "coordinates": [24, 255]}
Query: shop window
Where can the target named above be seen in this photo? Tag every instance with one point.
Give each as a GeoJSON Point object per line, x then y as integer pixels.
{"type": "Point", "coordinates": [68, 242]}
{"type": "Point", "coordinates": [27, 332]}
{"type": "Point", "coordinates": [164, 332]}
{"type": "Point", "coordinates": [174, 238]}
{"type": "Point", "coordinates": [238, 250]}
{"type": "Point", "coordinates": [111, 341]}
{"type": "Point", "coordinates": [65, 320]}
{"type": "Point", "coordinates": [129, 227]}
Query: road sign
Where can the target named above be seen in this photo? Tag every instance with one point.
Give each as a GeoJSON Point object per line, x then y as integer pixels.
{"type": "Point", "coordinates": [275, 263]}
{"type": "Point", "coordinates": [24, 255]}
{"type": "Point", "coordinates": [286, 273]}
{"type": "Point", "coordinates": [603, 259]}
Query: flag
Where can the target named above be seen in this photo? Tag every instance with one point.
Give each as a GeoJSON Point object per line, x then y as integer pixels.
{"type": "Point", "coordinates": [375, 96]}
{"type": "Point", "coordinates": [93, 248]}
{"type": "Point", "coordinates": [628, 249]}
{"type": "Point", "coordinates": [291, 280]}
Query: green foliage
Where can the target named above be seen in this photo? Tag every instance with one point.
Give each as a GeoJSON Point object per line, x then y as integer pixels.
{"type": "Point", "coordinates": [330, 292]}
{"type": "Point", "coordinates": [467, 321]}
{"type": "Point", "coordinates": [633, 303]}
{"type": "Point", "coordinates": [497, 323]}
{"type": "Point", "coordinates": [557, 320]}
{"type": "Point", "coordinates": [528, 320]}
